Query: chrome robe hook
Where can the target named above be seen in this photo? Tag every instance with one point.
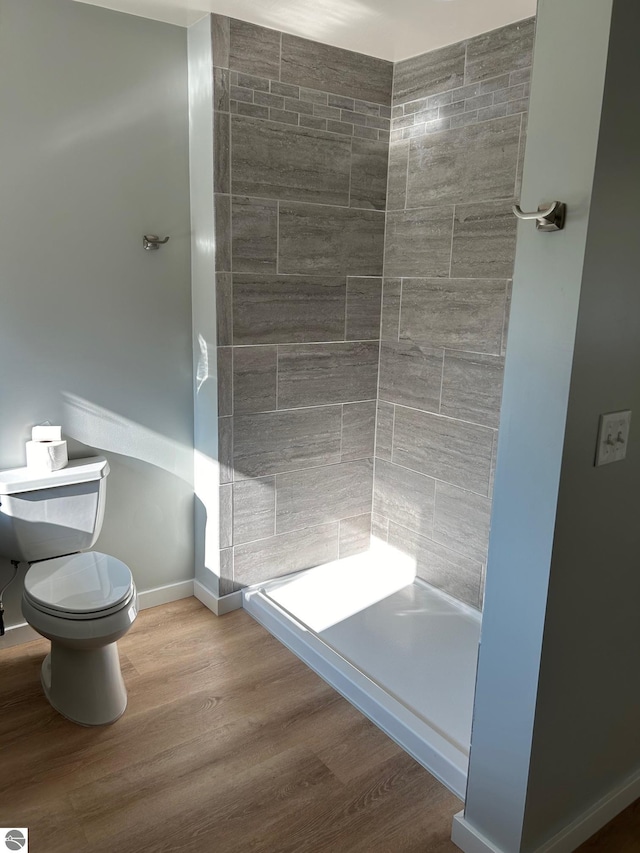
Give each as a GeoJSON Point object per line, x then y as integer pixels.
{"type": "Point", "coordinates": [548, 217]}
{"type": "Point", "coordinates": [151, 242]}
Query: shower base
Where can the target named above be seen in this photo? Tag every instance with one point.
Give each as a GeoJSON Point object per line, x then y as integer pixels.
{"type": "Point", "coordinates": [401, 651]}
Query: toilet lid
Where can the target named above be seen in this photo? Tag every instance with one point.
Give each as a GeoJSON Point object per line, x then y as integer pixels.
{"type": "Point", "coordinates": [89, 582]}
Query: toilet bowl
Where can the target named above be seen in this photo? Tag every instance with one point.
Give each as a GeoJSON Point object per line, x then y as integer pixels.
{"type": "Point", "coordinates": [83, 604]}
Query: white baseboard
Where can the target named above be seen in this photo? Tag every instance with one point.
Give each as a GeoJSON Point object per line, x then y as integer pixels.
{"type": "Point", "coordinates": [22, 633]}
{"type": "Point", "coordinates": [217, 604]}
{"type": "Point", "coordinates": [469, 840]}
{"type": "Point", "coordinates": [16, 635]}
{"type": "Point", "coordinates": [164, 594]}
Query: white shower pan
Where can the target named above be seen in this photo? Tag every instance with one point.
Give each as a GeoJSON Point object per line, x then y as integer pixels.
{"type": "Point", "coordinates": [401, 651]}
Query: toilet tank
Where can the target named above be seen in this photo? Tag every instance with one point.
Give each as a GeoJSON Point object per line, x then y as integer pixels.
{"type": "Point", "coordinates": [47, 514]}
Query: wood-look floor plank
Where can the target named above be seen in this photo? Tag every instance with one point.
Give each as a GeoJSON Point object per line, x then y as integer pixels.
{"type": "Point", "coordinates": [229, 743]}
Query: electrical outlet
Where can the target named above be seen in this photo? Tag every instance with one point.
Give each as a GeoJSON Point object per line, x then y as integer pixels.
{"type": "Point", "coordinates": [613, 437]}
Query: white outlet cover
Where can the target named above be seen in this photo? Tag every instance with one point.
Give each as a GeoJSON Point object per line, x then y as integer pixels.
{"type": "Point", "coordinates": [613, 437]}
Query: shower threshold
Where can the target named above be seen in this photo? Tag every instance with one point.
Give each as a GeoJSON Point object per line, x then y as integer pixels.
{"type": "Point", "coordinates": [401, 651]}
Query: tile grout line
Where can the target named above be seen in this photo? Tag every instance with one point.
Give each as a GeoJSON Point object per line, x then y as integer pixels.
{"type": "Point", "coordinates": [520, 154]}
{"type": "Point", "coordinates": [275, 504]}
{"type": "Point", "coordinates": [382, 301]}
{"type": "Point", "coordinates": [453, 232]}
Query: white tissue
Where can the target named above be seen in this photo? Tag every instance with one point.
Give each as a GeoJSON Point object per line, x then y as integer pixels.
{"type": "Point", "coordinates": [47, 455]}
{"type": "Point", "coordinates": [46, 432]}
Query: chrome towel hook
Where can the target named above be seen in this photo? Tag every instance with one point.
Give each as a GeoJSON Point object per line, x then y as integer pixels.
{"type": "Point", "coordinates": [548, 217]}
{"type": "Point", "coordinates": [151, 242]}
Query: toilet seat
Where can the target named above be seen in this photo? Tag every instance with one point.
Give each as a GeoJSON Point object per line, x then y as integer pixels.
{"type": "Point", "coordinates": [89, 585]}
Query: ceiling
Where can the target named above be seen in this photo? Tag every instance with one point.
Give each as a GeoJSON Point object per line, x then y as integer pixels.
{"type": "Point", "coordinates": [390, 29]}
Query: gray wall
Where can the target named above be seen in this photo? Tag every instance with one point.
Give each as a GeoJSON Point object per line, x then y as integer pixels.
{"type": "Point", "coordinates": [300, 139]}
{"type": "Point", "coordinates": [95, 333]}
{"type": "Point", "coordinates": [458, 133]}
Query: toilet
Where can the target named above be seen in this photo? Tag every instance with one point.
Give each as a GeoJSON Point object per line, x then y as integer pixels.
{"type": "Point", "coordinates": [83, 601]}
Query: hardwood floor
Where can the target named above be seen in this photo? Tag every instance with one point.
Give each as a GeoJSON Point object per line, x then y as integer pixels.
{"type": "Point", "coordinates": [229, 744]}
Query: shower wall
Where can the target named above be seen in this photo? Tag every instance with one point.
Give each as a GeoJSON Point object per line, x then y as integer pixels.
{"type": "Point", "coordinates": [457, 139]}
{"type": "Point", "coordinates": [301, 138]}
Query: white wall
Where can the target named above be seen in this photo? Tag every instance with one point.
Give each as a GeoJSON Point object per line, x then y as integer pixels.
{"type": "Point", "coordinates": [205, 368]}
{"type": "Point", "coordinates": [585, 739]}
{"type": "Point", "coordinates": [558, 699]}
{"type": "Point", "coordinates": [95, 333]}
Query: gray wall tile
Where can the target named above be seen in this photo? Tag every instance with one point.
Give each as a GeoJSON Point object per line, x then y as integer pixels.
{"type": "Point", "coordinates": [225, 583]}
{"type": "Point", "coordinates": [254, 234]}
{"type": "Point", "coordinates": [254, 110]}
{"type": "Point", "coordinates": [274, 160]}
{"type": "Point", "coordinates": [456, 313]}
{"type": "Point", "coordinates": [507, 312]}
{"type": "Point", "coordinates": [254, 50]}
{"type": "Point", "coordinates": [317, 374]}
{"type": "Point", "coordinates": [355, 535]}
{"type": "Point", "coordinates": [443, 448]}
{"type": "Point", "coordinates": [318, 239]}
{"type": "Point", "coordinates": [222, 216]}
{"type": "Point", "coordinates": [384, 430]}
{"type": "Point", "coordinates": [225, 449]}
{"type": "Point", "coordinates": [254, 509]}
{"type": "Point", "coordinates": [500, 51]}
{"type": "Point", "coordinates": [224, 316]}
{"type": "Point", "coordinates": [461, 521]}
{"type": "Point", "coordinates": [254, 379]}
{"type": "Point", "coordinates": [288, 552]}
{"type": "Point", "coordinates": [225, 381]}
{"type": "Point", "coordinates": [283, 116]}
{"type": "Point", "coordinates": [466, 164]}
{"type": "Point", "coordinates": [220, 91]}
{"type": "Point", "coordinates": [272, 309]}
{"type": "Point", "coordinates": [226, 515]}
{"type": "Point", "coordinates": [220, 39]}
{"type": "Point", "coordinates": [277, 442]}
{"type": "Point", "coordinates": [389, 328]}
{"type": "Point", "coordinates": [418, 242]}
{"type": "Point", "coordinates": [332, 69]}
{"type": "Point", "coordinates": [358, 430]}
{"type": "Point", "coordinates": [320, 495]}
{"type": "Point", "coordinates": [369, 162]}
{"type": "Point", "coordinates": [472, 387]}
{"type": "Point", "coordinates": [379, 527]}
{"type": "Point", "coordinates": [405, 497]}
{"type": "Point", "coordinates": [430, 73]}
{"type": "Point", "coordinates": [521, 151]}
{"type": "Point", "coordinates": [484, 240]}
{"type": "Point", "coordinates": [455, 574]}
{"type": "Point", "coordinates": [410, 374]}
{"type": "Point", "coordinates": [364, 302]}
{"type": "Point", "coordinates": [398, 164]}
{"type": "Point", "coordinates": [221, 147]}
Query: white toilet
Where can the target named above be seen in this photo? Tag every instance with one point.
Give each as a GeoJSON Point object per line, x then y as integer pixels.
{"type": "Point", "coordinates": [81, 600]}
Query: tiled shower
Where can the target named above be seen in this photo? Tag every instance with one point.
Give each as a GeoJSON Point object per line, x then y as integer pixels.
{"type": "Point", "coordinates": [364, 249]}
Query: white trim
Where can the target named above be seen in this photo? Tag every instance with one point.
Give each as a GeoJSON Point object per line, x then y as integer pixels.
{"type": "Point", "coordinates": [15, 635]}
{"type": "Point", "coordinates": [218, 604]}
{"type": "Point", "coordinates": [444, 761]}
{"type": "Point", "coordinates": [571, 836]}
{"type": "Point", "coordinates": [23, 633]}
{"type": "Point", "coordinates": [164, 594]}
{"type": "Point", "coordinates": [468, 839]}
